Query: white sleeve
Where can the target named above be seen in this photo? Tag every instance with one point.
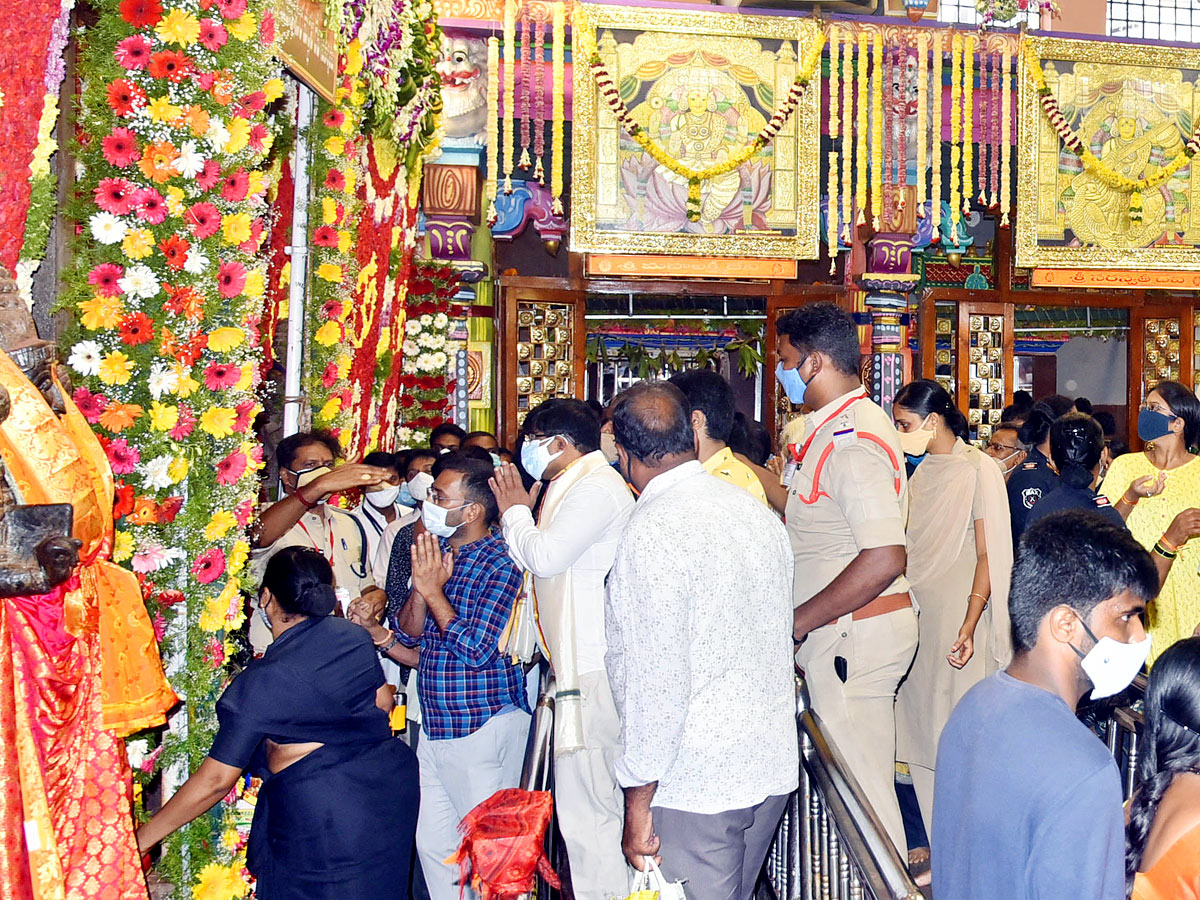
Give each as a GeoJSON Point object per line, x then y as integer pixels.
{"type": "Point", "coordinates": [584, 515]}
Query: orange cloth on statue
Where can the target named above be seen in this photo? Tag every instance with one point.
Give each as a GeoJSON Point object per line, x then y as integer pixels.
{"type": "Point", "coordinates": [1176, 875]}
{"type": "Point", "coordinates": [75, 784]}
{"type": "Point", "coordinates": [59, 460]}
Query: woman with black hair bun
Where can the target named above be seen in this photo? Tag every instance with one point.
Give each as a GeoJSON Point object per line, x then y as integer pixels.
{"type": "Point", "coordinates": [1035, 478]}
{"type": "Point", "coordinates": [1077, 448]}
{"type": "Point", "coordinates": [1157, 491]}
{"type": "Point", "coordinates": [959, 567]}
{"type": "Point", "coordinates": [337, 810]}
{"type": "Point", "coordinates": [1162, 857]}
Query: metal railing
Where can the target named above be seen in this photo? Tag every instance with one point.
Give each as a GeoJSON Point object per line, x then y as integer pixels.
{"type": "Point", "coordinates": [1122, 729]}
{"type": "Point", "coordinates": [830, 844]}
{"type": "Point", "coordinates": [537, 774]}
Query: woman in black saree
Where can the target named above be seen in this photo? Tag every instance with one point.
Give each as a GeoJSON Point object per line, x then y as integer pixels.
{"type": "Point", "coordinates": [337, 810]}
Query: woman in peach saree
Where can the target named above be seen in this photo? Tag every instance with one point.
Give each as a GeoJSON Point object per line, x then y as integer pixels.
{"type": "Point", "coordinates": [1162, 858]}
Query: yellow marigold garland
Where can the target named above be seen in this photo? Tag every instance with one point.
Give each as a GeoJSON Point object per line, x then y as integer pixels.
{"type": "Point", "coordinates": [877, 89]}
{"type": "Point", "coordinates": [956, 78]}
{"type": "Point", "coordinates": [860, 188]}
{"type": "Point", "coordinates": [922, 119]}
{"type": "Point", "coordinates": [935, 179]}
{"type": "Point", "coordinates": [1091, 164]}
{"type": "Point", "coordinates": [696, 177]}
{"type": "Point", "coordinates": [968, 151]}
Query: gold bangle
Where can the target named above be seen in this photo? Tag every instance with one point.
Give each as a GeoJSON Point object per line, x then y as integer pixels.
{"type": "Point", "coordinates": [977, 594]}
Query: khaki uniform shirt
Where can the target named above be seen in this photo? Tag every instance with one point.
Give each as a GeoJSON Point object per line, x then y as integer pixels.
{"type": "Point", "coordinates": [724, 465]}
{"type": "Point", "coordinates": [338, 537]}
{"type": "Point", "coordinates": [849, 493]}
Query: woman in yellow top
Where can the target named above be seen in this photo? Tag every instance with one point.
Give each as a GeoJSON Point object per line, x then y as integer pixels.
{"type": "Point", "coordinates": [1157, 491]}
{"type": "Point", "coordinates": [1162, 858]}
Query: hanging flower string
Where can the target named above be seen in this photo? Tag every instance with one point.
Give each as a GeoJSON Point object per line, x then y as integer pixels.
{"type": "Point", "coordinates": [510, 89]}
{"type": "Point", "coordinates": [876, 128]}
{"type": "Point", "coordinates": [493, 129]}
{"type": "Point", "coordinates": [860, 183]}
{"type": "Point", "coordinates": [696, 177]}
{"type": "Point", "coordinates": [831, 232]}
{"type": "Point", "coordinates": [922, 118]}
{"type": "Point", "coordinates": [956, 57]}
{"type": "Point", "coordinates": [889, 133]}
{"type": "Point", "coordinates": [997, 77]}
{"type": "Point", "coordinates": [1076, 144]}
{"type": "Point", "coordinates": [526, 87]}
{"type": "Point", "coordinates": [539, 97]}
{"type": "Point", "coordinates": [935, 179]}
{"type": "Point", "coordinates": [985, 100]}
{"type": "Point", "coordinates": [902, 147]}
{"type": "Point", "coordinates": [1005, 134]}
{"type": "Point", "coordinates": [968, 137]}
{"type": "Point", "coordinates": [847, 135]}
{"type": "Point", "coordinates": [558, 49]}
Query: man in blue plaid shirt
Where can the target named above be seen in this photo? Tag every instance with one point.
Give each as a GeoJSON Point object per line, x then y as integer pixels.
{"type": "Point", "coordinates": [475, 713]}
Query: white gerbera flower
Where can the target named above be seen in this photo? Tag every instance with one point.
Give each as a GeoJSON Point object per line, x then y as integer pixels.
{"type": "Point", "coordinates": [412, 326]}
{"type": "Point", "coordinates": [196, 263]}
{"type": "Point", "coordinates": [409, 348]}
{"type": "Point", "coordinates": [426, 341]}
{"type": "Point", "coordinates": [107, 228]}
{"type": "Point", "coordinates": [156, 473]}
{"type": "Point", "coordinates": [190, 162]}
{"type": "Point", "coordinates": [436, 342]}
{"type": "Point", "coordinates": [162, 381]}
{"type": "Point", "coordinates": [425, 362]}
{"type": "Point", "coordinates": [440, 360]}
{"type": "Point", "coordinates": [426, 320]}
{"type": "Point", "coordinates": [217, 134]}
{"type": "Point", "coordinates": [139, 281]}
{"type": "Point", "coordinates": [440, 321]}
{"type": "Point", "coordinates": [85, 358]}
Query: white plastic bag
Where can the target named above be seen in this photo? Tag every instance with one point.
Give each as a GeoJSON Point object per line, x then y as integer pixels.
{"type": "Point", "coordinates": [651, 884]}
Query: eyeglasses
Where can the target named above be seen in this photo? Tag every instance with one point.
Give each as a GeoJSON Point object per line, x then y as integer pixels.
{"type": "Point", "coordinates": [1159, 409]}
{"type": "Point", "coordinates": [439, 498]}
{"type": "Point", "coordinates": [999, 448]}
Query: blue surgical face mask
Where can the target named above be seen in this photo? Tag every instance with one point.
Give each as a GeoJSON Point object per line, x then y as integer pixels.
{"type": "Point", "coordinates": [791, 382]}
{"type": "Point", "coordinates": [405, 497]}
{"type": "Point", "coordinates": [1153, 424]}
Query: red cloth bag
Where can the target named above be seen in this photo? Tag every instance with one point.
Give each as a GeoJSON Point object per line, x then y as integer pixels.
{"type": "Point", "coordinates": [503, 846]}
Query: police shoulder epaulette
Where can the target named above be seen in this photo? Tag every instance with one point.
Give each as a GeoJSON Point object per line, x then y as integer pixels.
{"type": "Point", "coordinates": [1031, 465]}
{"type": "Point", "coordinates": [1102, 501]}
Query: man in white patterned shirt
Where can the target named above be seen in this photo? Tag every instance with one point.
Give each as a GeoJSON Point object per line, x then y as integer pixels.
{"type": "Point", "coordinates": [698, 623]}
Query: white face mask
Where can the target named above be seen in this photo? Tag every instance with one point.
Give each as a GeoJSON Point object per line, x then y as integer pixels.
{"type": "Point", "coordinates": [434, 517]}
{"type": "Point", "coordinates": [419, 485]}
{"type": "Point", "coordinates": [536, 456]}
{"type": "Point", "coordinates": [1112, 665]}
{"type": "Point", "coordinates": [306, 477]}
{"type": "Point", "coordinates": [384, 497]}
{"type": "Point", "coordinates": [608, 446]}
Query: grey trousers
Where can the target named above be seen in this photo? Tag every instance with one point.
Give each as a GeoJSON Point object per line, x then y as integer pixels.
{"type": "Point", "coordinates": [719, 855]}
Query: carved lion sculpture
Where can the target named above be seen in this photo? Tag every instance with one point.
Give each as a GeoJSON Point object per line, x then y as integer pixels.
{"type": "Point", "coordinates": [463, 68]}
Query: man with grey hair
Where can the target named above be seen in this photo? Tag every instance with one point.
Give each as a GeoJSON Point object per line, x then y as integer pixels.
{"type": "Point", "coordinates": [699, 657]}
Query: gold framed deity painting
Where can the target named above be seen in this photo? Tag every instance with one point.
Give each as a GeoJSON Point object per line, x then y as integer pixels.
{"type": "Point", "coordinates": [662, 95]}
{"type": "Point", "coordinates": [1107, 179]}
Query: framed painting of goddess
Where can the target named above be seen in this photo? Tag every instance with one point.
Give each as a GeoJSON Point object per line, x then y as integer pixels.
{"type": "Point", "coordinates": [1107, 134]}
{"type": "Point", "coordinates": [695, 133]}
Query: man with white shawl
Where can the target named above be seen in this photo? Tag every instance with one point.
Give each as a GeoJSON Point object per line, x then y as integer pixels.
{"type": "Point", "coordinates": [567, 554]}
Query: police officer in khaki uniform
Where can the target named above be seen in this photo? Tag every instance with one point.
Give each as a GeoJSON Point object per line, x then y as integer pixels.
{"type": "Point", "coordinates": [847, 503]}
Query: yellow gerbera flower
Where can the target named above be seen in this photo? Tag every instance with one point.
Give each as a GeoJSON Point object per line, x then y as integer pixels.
{"type": "Point", "coordinates": [236, 228]}
{"type": "Point", "coordinates": [328, 334]}
{"type": "Point", "coordinates": [255, 284]}
{"type": "Point", "coordinates": [163, 417]}
{"type": "Point", "coordinates": [239, 134]}
{"type": "Point", "coordinates": [218, 526]}
{"type": "Point", "coordinates": [236, 560]}
{"type": "Point", "coordinates": [138, 243]}
{"type": "Point", "coordinates": [116, 368]}
{"type": "Point", "coordinates": [329, 411]}
{"type": "Point", "coordinates": [273, 89]}
{"type": "Point", "coordinates": [221, 340]}
{"type": "Point", "coordinates": [161, 109]}
{"type": "Point", "coordinates": [179, 27]}
{"type": "Point", "coordinates": [328, 211]}
{"type": "Point", "coordinates": [345, 241]}
{"type": "Point", "coordinates": [330, 272]}
{"type": "Point", "coordinates": [178, 469]}
{"type": "Point", "coordinates": [122, 546]}
{"type": "Point", "coordinates": [244, 28]}
{"type": "Point", "coordinates": [101, 312]}
{"type": "Point", "coordinates": [218, 421]}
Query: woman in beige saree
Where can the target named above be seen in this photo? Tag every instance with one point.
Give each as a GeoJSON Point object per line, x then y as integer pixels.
{"type": "Point", "coordinates": [959, 565]}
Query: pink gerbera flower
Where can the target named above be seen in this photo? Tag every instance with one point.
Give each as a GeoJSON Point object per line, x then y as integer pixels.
{"type": "Point", "coordinates": [151, 207]}
{"type": "Point", "coordinates": [231, 9]}
{"type": "Point", "coordinates": [91, 405]}
{"type": "Point", "coordinates": [150, 558]}
{"type": "Point", "coordinates": [267, 29]}
{"type": "Point", "coordinates": [245, 412]}
{"type": "Point", "coordinates": [231, 468]}
{"type": "Point", "coordinates": [219, 376]}
{"type": "Point", "coordinates": [122, 457]}
{"type": "Point", "coordinates": [235, 185]}
{"type": "Point", "coordinates": [121, 148]}
{"type": "Point", "coordinates": [213, 35]}
{"type": "Point", "coordinates": [104, 279]}
{"type": "Point", "coordinates": [209, 566]}
{"type": "Point", "coordinates": [115, 195]}
{"type": "Point", "coordinates": [204, 220]}
{"type": "Point", "coordinates": [335, 180]}
{"type": "Point", "coordinates": [330, 376]}
{"type": "Point", "coordinates": [160, 630]}
{"type": "Point", "coordinates": [244, 512]}
{"type": "Point", "coordinates": [133, 52]}
{"type": "Point", "coordinates": [325, 236]}
{"type": "Point", "coordinates": [214, 653]}
{"type": "Point", "coordinates": [258, 135]}
{"type": "Point", "coordinates": [231, 279]}
{"type": "Point", "coordinates": [185, 425]}
{"type": "Point", "coordinates": [209, 175]}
